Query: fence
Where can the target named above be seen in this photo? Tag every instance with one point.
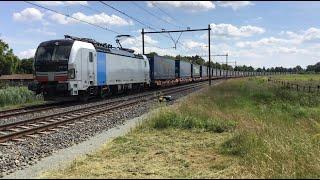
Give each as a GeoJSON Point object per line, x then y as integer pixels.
{"type": "Point", "coordinates": [297, 87]}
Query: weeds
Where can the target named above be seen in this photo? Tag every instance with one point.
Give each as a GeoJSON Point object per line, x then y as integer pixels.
{"type": "Point", "coordinates": [17, 95]}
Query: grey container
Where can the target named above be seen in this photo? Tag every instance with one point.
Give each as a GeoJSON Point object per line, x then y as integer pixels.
{"type": "Point", "coordinates": [204, 71]}
{"type": "Point", "coordinates": [183, 69]}
{"type": "Point", "coordinates": [161, 68]}
{"type": "Point", "coordinates": [195, 70]}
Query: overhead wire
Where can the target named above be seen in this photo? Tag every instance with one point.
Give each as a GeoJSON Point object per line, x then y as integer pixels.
{"type": "Point", "coordinates": [152, 14]}
{"type": "Point", "coordinates": [83, 21]}
{"type": "Point", "coordinates": [96, 10]}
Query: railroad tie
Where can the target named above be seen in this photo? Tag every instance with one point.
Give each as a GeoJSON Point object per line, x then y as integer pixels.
{"type": "Point", "coordinates": [18, 140]}
{"type": "Point", "coordinates": [44, 132]}
{"type": "Point", "coordinates": [31, 136]}
{"type": "Point", "coordinates": [3, 133]}
{"type": "Point", "coordinates": [65, 127]}
{"type": "Point", "coordinates": [43, 122]}
{"type": "Point", "coordinates": [5, 144]}
{"type": "Point", "coordinates": [52, 120]}
{"type": "Point", "coordinates": [14, 130]}
{"type": "Point", "coordinates": [23, 127]}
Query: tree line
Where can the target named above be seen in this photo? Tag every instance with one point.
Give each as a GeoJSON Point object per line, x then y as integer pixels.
{"type": "Point", "coordinates": [11, 64]}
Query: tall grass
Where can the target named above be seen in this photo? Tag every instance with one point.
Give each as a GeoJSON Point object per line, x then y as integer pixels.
{"type": "Point", "coordinates": [280, 135]}
{"type": "Point", "coordinates": [17, 95]}
{"type": "Point", "coordinates": [275, 132]}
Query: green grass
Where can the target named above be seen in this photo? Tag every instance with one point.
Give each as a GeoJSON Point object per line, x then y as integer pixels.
{"type": "Point", "coordinates": [17, 96]}
{"type": "Point", "coordinates": [302, 79]}
{"type": "Point", "coordinates": [238, 129]}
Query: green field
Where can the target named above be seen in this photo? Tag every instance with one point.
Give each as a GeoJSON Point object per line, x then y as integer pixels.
{"type": "Point", "coordinates": [303, 79]}
{"type": "Point", "coordinates": [239, 129]}
{"type": "Point", "coordinates": [13, 97]}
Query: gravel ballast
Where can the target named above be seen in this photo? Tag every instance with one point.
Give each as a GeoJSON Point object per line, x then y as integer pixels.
{"type": "Point", "coordinates": [20, 155]}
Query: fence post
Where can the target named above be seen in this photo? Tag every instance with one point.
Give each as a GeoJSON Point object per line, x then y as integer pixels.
{"type": "Point", "coordinates": [297, 87]}
{"type": "Point", "coordinates": [318, 88]}
{"type": "Point", "coordinates": [309, 89]}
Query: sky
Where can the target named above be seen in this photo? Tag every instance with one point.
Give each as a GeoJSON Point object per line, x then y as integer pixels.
{"type": "Point", "coordinates": [269, 33]}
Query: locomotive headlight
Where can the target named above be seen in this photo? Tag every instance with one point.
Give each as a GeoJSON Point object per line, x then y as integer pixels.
{"type": "Point", "coordinates": [71, 73]}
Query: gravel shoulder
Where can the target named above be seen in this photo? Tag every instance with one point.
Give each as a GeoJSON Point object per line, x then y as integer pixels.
{"type": "Point", "coordinates": [64, 157]}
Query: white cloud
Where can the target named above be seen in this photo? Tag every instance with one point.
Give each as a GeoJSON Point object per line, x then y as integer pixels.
{"type": "Point", "coordinates": [133, 41]}
{"type": "Point", "coordinates": [311, 35]}
{"type": "Point", "coordinates": [98, 19]}
{"type": "Point", "coordinates": [287, 50]}
{"type": "Point", "coordinates": [61, 3]}
{"type": "Point", "coordinates": [42, 31]}
{"type": "Point", "coordinates": [187, 5]}
{"type": "Point", "coordinates": [28, 14]}
{"type": "Point", "coordinates": [27, 53]}
{"type": "Point", "coordinates": [272, 41]}
{"type": "Point", "coordinates": [234, 4]}
{"type": "Point", "coordinates": [194, 45]}
{"type": "Point", "coordinates": [231, 31]}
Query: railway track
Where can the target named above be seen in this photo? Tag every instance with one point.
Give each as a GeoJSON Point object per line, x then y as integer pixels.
{"type": "Point", "coordinates": [43, 107]}
{"type": "Point", "coordinates": [30, 109]}
{"type": "Point", "coordinates": [44, 124]}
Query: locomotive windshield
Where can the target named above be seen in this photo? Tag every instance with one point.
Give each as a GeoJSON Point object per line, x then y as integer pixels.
{"type": "Point", "coordinates": [54, 51]}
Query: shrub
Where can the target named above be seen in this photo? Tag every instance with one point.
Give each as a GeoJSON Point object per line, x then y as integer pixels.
{"type": "Point", "coordinates": [17, 95]}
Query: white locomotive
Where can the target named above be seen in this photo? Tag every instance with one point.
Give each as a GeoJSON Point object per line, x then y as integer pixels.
{"type": "Point", "coordinates": [80, 66]}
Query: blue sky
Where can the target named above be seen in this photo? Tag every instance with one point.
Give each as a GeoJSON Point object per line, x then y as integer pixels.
{"type": "Point", "coordinates": [252, 33]}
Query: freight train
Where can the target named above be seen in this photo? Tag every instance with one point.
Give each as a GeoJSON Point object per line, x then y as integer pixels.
{"type": "Point", "coordinates": [82, 67]}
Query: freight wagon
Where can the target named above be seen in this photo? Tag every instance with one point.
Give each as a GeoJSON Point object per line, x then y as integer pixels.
{"type": "Point", "coordinates": [162, 71]}
{"type": "Point", "coordinates": [195, 72]}
{"type": "Point", "coordinates": [204, 72]}
{"type": "Point", "coordinates": [183, 71]}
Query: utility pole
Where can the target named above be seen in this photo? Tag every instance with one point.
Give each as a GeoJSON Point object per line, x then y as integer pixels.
{"type": "Point", "coordinates": [142, 41]}
{"type": "Point", "coordinates": [227, 65]}
{"type": "Point", "coordinates": [174, 31]}
{"type": "Point", "coordinates": [209, 29]}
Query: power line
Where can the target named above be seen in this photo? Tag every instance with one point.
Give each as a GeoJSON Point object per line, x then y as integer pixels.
{"type": "Point", "coordinates": [135, 19]}
{"type": "Point", "coordinates": [104, 28]}
{"type": "Point", "coordinates": [95, 10]}
{"type": "Point", "coordinates": [164, 20]}
{"type": "Point", "coordinates": [166, 13]}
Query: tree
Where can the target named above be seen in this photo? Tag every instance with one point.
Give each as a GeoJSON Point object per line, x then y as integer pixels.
{"type": "Point", "coordinates": [8, 61]}
{"type": "Point", "coordinates": [26, 66]}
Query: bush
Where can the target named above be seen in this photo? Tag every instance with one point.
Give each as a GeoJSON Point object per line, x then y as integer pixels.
{"type": "Point", "coordinates": [17, 95]}
{"type": "Point", "coordinates": [169, 119]}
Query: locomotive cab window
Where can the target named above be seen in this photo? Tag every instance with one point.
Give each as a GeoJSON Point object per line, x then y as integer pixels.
{"type": "Point", "coordinates": [90, 56]}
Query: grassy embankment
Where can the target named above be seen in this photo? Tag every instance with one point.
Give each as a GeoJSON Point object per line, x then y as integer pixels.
{"type": "Point", "coordinates": [14, 97]}
{"type": "Point", "coordinates": [238, 129]}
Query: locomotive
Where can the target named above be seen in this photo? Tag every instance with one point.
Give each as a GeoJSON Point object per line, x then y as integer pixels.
{"type": "Point", "coordinates": [82, 67]}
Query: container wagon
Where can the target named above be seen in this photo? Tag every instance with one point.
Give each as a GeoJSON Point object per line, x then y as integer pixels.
{"type": "Point", "coordinates": [162, 71]}
{"type": "Point", "coordinates": [195, 71]}
{"type": "Point", "coordinates": [183, 71]}
{"type": "Point", "coordinates": [204, 72]}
